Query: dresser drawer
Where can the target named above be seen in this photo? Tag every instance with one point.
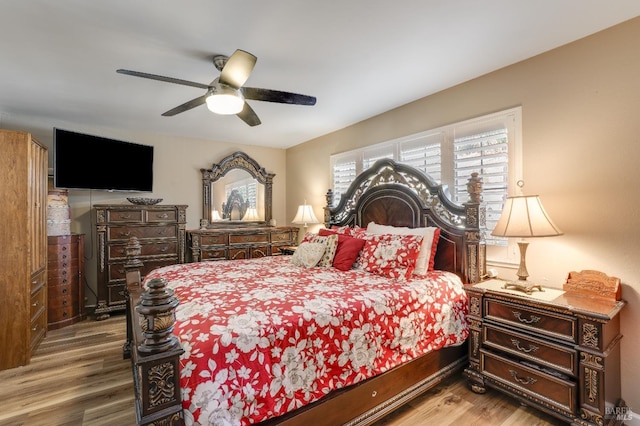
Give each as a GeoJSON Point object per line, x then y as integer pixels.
{"type": "Point", "coordinates": [278, 237]}
{"type": "Point", "coordinates": [123, 233]}
{"type": "Point", "coordinates": [57, 295]}
{"type": "Point", "coordinates": [64, 251]}
{"type": "Point", "coordinates": [117, 272]}
{"type": "Point", "coordinates": [55, 265]}
{"type": "Point", "coordinates": [534, 383]}
{"type": "Point", "coordinates": [217, 254]}
{"type": "Point", "coordinates": [125, 215]}
{"type": "Point", "coordinates": [119, 251]}
{"type": "Point", "coordinates": [212, 240]}
{"type": "Point", "coordinates": [537, 321]}
{"type": "Point", "coordinates": [557, 357]}
{"type": "Point", "coordinates": [159, 216]}
{"type": "Point", "coordinates": [248, 238]}
{"type": "Point", "coordinates": [38, 323]}
{"type": "Point", "coordinates": [57, 315]}
{"type": "Point", "coordinates": [38, 302]}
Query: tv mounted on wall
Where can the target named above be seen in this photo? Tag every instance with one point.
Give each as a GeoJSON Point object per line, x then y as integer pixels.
{"type": "Point", "coordinates": [82, 161]}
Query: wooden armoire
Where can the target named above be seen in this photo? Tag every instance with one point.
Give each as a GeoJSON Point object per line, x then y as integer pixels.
{"type": "Point", "coordinates": [23, 242]}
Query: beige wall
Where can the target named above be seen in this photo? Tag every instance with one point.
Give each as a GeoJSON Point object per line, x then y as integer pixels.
{"type": "Point", "coordinates": [581, 130]}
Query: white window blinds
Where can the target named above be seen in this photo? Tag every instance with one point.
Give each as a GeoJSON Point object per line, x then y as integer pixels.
{"type": "Point", "coordinates": [489, 145]}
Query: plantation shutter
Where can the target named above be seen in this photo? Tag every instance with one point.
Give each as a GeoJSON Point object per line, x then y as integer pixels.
{"type": "Point", "coordinates": [486, 153]}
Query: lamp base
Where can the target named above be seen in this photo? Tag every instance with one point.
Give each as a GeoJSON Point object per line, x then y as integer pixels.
{"type": "Point", "coordinates": [524, 286]}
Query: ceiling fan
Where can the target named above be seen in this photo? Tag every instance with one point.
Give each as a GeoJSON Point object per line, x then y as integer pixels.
{"type": "Point", "coordinates": [226, 94]}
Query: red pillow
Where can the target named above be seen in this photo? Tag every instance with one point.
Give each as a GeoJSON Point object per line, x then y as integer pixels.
{"type": "Point", "coordinates": [348, 249]}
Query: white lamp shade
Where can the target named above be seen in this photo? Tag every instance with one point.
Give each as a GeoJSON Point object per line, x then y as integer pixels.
{"type": "Point", "coordinates": [251, 214]}
{"type": "Point", "coordinates": [225, 100]}
{"type": "Point", "coordinates": [305, 215]}
{"type": "Point", "coordinates": [524, 216]}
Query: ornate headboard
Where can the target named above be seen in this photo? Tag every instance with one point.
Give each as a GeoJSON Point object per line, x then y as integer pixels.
{"type": "Point", "coordinates": [391, 193]}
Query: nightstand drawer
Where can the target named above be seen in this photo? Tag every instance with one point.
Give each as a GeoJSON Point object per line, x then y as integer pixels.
{"type": "Point", "coordinates": [557, 357]}
{"type": "Point", "coordinates": [537, 385]}
{"type": "Point", "coordinates": [537, 321]}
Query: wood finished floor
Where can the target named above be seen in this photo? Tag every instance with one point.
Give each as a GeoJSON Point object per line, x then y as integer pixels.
{"type": "Point", "coordinates": [78, 377]}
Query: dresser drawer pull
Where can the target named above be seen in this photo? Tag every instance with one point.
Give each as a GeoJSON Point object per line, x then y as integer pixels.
{"type": "Point", "coordinates": [161, 232]}
{"type": "Point", "coordinates": [533, 319]}
{"type": "Point", "coordinates": [163, 249]}
{"type": "Point", "coordinates": [516, 343]}
{"type": "Point", "coordinates": [124, 234]}
{"type": "Point", "coordinates": [35, 304]}
{"type": "Point", "coordinates": [35, 327]}
{"type": "Point", "coordinates": [527, 381]}
{"type": "Point", "coordinates": [162, 215]}
{"type": "Point", "coordinates": [124, 216]}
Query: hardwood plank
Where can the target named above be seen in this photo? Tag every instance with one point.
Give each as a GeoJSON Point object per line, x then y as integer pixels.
{"type": "Point", "coordinates": [78, 377]}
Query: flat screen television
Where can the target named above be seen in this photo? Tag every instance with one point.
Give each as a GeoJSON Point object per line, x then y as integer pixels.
{"type": "Point", "coordinates": [82, 161]}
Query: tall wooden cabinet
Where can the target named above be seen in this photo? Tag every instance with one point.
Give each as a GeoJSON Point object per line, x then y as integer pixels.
{"type": "Point", "coordinates": [65, 289]}
{"type": "Point", "coordinates": [23, 238]}
{"type": "Point", "coordinates": [161, 232]}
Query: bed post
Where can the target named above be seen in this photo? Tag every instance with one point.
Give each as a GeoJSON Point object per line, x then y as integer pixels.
{"type": "Point", "coordinates": [475, 251]}
{"type": "Point", "coordinates": [154, 351]}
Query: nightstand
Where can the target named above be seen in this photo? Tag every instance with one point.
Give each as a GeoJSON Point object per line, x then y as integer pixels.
{"type": "Point", "coordinates": [288, 250]}
{"type": "Point", "coordinates": [557, 350]}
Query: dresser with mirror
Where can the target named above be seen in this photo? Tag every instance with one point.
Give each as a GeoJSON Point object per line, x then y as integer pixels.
{"type": "Point", "coordinates": [237, 221]}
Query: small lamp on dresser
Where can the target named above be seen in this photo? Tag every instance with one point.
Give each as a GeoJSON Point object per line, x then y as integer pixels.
{"type": "Point", "coordinates": [524, 217]}
{"type": "Point", "coordinates": [305, 216]}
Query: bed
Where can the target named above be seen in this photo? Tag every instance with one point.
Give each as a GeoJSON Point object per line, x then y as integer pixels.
{"type": "Point", "coordinates": [334, 345]}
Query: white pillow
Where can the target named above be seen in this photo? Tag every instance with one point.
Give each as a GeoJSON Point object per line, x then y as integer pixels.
{"type": "Point", "coordinates": [308, 254]}
{"type": "Point", "coordinates": [422, 263]}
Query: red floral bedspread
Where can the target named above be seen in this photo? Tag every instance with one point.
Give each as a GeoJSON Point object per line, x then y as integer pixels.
{"type": "Point", "coordinates": [263, 337]}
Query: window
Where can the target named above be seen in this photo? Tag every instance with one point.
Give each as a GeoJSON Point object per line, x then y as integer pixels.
{"type": "Point", "coordinates": [490, 145]}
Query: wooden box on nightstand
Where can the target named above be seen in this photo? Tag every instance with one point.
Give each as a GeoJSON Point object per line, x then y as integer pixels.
{"type": "Point", "coordinates": [555, 350]}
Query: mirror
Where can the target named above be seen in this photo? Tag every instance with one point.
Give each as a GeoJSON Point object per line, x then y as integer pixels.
{"type": "Point", "coordinates": [236, 192]}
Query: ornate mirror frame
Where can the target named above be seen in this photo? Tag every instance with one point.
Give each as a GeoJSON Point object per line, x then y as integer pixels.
{"type": "Point", "coordinates": [237, 160]}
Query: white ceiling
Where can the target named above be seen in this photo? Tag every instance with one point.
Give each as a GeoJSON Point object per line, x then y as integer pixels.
{"type": "Point", "coordinates": [360, 58]}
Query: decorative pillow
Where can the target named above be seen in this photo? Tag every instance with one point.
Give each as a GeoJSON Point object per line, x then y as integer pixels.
{"type": "Point", "coordinates": [359, 232]}
{"type": "Point", "coordinates": [392, 256]}
{"type": "Point", "coordinates": [308, 254]}
{"type": "Point", "coordinates": [331, 245]}
{"type": "Point", "coordinates": [342, 230]}
{"type": "Point", "coordinates": [427, 253]}
{"type": "Point", "coordinates": [347, 251]}
{"type": "Point", "coordinates": [308, 237]}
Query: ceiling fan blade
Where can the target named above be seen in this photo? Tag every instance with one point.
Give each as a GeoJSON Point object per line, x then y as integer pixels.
{"type": "Point", "coordinates": [162, 78]}
{"type": "Point", "coordinates": [186, 106]}
{"type": "Point", "coordinates": [269, 95]}
{"type": "Point", "coordinates": [249, 116]}
{"type": "Point", "coordinates": [238, 68]}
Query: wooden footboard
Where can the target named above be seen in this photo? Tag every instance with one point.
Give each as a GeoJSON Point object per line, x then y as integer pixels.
{"type": "Point", "coordinates": [153, 350]}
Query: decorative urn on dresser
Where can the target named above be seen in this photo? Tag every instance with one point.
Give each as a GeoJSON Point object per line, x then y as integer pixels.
{"type": "Point", "coordinates": [557, 350]}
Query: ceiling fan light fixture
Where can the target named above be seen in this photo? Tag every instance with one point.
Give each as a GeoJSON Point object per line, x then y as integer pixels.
{"type": "Point", "coordinates": [225, 100]}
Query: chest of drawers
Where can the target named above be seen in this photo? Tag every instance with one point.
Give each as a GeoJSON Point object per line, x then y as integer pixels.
{"type": "Point", "coordinates": [556, 350]}
{"type": "Point", "coordinates": [65, 280]}
{"type": "Point", "coordinates": [160, 229]}
{"type": "Point", "coordinates": [239, 243]}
